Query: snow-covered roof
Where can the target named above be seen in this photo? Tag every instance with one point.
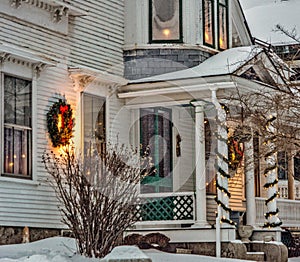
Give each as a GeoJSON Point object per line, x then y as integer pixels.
{"type": "Point", "coordinates": [223, 63]}
{"type": "Point", "coordinates": [263, 16]}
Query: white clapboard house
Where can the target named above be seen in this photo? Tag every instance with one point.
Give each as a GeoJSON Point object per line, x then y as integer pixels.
{"type": "Point", "coordinates": [154, 73]}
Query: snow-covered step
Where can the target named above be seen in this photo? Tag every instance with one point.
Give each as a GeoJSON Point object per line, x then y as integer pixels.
{"type": "Point", "coordinates": [126, 254]}
{"type": "Point", "coordinates": [256, 256]}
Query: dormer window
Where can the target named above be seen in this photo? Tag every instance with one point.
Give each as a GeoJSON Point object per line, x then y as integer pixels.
{"type": "Point", "coordinates": [210, 38]}
{"type": "Point", "coordinates": [165, 21]}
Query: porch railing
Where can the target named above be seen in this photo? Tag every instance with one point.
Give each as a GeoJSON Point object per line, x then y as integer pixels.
{"type": "Point", "coordinates": [170, 208]}
{"type": "Point", "coordinates": [289, 211]}
{"type": "Point", "coordinates": [283, 189]}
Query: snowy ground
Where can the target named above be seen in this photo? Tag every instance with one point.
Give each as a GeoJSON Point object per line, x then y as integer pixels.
{"type": "Point", "coordinates": [58, 249]}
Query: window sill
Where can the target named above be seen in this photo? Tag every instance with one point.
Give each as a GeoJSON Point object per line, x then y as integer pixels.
{"type": "Point", "coordinates": [19, 181]}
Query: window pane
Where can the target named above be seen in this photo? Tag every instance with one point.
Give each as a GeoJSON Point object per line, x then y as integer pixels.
{"type": "Point", "coordinates": [17, 151]}
{"type": "Point", "coordinates": [17, 101]}
{"type": "Point", "coordinates": [208, 22]}
{"type": "Point", "coordinates": [223, 27]}
{"type": "Point", "coordinates": [165, 20]}
{"type": "Point", "coordinates": [282, 165]}
{"type": "Point", "coordinates": [94, 129]}
{"type": "Point", "coordinates": [297, 166]}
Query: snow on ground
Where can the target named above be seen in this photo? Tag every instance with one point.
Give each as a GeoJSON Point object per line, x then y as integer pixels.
{"type": "Point", "coordinates": [62, 249]}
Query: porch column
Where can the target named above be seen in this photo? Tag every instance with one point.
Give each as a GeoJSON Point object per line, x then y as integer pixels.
{"type": "Point", "coordinates": [271, 174]}
{"type": "Point", "coordinates": [250, 183]}
{"type": "Point", "coordinates": [291, 180]}
{"type": "Point", "coordinates": [200, 166]}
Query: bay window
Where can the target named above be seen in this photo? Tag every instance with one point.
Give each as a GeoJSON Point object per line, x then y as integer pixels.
{"type": "Point", "coordinates": [222, 24]}
{"type": "Point", "coordinates": [215, 22]}
{"type": "Point", "coordinates": [165, 21]}
{"type": "Point", "coordinates": [208, 7]}
{"type": "Point", "coordinates": [17, 127]}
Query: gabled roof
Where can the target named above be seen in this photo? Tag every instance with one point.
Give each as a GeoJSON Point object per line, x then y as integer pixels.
{"type": "Point", "coordinates": [223, 63]}
{"type": "Point", "coordinates": [263, 15]}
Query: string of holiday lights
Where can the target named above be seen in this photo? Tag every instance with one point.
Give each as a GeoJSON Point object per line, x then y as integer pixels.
{"type": "Point", "coordinates": [269, 172]}
{"type": "Point", "coordinates": [222, 175]}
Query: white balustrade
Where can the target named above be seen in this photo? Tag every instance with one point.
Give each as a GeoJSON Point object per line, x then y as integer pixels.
{"type": "Point", "coordinates": [289, 211]}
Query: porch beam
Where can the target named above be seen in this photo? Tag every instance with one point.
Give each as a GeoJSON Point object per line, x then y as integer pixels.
{"type": "Point", "coordinates": [166, 90]}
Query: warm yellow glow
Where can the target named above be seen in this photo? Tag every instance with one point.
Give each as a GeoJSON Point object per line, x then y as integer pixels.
{"type": "Point", "coordinates": [23, 156]}
{"type": "Point", "coordinates": [59, 122]}
{"type": "Point", "coordinates": [15, 156]}
{"type": "Point", "coordinates": [11, 164]}
{"type": "Point", "coordinates": [166, 32]}
{"type": "Point", "coordinates": [221, 42]}
{"type": "Point", "coordinates": [206, 37]}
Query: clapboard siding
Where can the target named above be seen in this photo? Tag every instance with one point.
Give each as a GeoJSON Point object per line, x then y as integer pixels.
{"type": "Point", "coordinates": [119, 121]}
{"type": "Point", "coordinates": [236, 188]}
{"type": "Point", "coordinates": [94, 41]}
{"type": "Point", "coordinates": [102, 28]}
{"type": "Point", "coordinates": [186, 162]}
{"type": "Point", "coordinates": [211, 209]}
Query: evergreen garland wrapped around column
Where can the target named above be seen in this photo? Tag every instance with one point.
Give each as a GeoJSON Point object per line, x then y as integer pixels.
{"type": "Point", "coordinates": [223, 194]}
{"type": "Point", "coordinates": [271, 175]}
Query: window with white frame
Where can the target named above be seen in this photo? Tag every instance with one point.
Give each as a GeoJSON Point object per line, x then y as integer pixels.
{"type": "Point", "coordinates": [165, 21]}
{"type": "Point", "coordinates": [17, 127]}
{"type": "Point", "coordinates": [215, 19]}
{"type": "Point", "coordinates": [94, 129]}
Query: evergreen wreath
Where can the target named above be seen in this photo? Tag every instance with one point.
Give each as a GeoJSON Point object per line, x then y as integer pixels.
{"type": "Point", "coordinates": [61, 114]}
{"type": "Point", "coordinates": [235, 153]}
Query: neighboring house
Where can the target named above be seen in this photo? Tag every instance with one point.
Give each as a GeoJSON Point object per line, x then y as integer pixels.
{"type": "Point", "coordinates": [182, 59]}
{"type": "Point", "coordinates": [287, 46]}
{"type": "Point", "coordinates": [50, 50]}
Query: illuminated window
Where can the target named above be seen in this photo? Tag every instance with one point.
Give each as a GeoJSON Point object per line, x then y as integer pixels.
{"type": "Point", "coordinates": [211, 25]}
{"type": "Point", "coordinates": [94, 130]}
{"type": "Point", "coordinates": [17, 127]}
{"type": "Point", "coordinates": [208, 22]}
{"type": "Point", "coordinates": [223, 24]}
{"type": "Point", "coordinates": [165, 21]}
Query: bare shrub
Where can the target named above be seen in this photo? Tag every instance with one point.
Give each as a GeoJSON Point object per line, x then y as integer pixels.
{"type": "Point", "coordinates": [99, 205]}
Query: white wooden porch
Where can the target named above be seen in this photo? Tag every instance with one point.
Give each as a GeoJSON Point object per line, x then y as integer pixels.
{"type": "Point", "coordinates": [174, 209]}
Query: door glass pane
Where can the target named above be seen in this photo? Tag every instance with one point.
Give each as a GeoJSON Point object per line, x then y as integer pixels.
{"type": "Point", "coordinates": [156, 141]}
{"type": "Point", "coordinates": [165, 20]}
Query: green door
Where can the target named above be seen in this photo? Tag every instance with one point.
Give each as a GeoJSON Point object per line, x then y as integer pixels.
{"type": "Point", "coordinates": [156, 138]}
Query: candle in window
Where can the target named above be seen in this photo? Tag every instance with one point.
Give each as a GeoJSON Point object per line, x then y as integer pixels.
{"type": "Point", "coordinates": [166, 32]}
{"type": "Point", "coordinates": [59, 122]}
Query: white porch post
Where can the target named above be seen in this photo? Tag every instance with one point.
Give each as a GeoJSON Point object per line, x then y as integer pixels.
{"type": "Point", "coordinates": [291, 179]}
{"type": "Point", "coordinates": [272, 194]}
{"type": "Point", "coordinates": [200, 166]}
{"type": "Point", "coordinates": [250, 183]}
